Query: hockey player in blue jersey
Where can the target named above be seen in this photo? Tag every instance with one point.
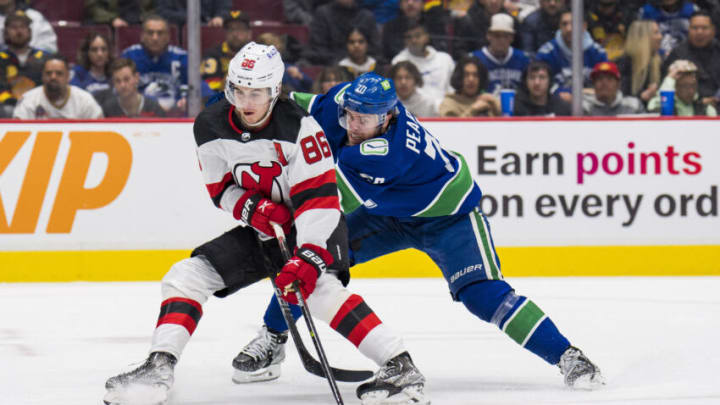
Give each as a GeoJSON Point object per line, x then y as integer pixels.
{"type": "Point", "coordinates": [400, 189]}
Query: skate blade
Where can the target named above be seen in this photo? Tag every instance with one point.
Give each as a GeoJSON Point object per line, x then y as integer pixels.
{"type": "Point", "coordinates": [138, 394]}
{"type": "Point", "coordinates": [271, 372]}
{"type": "Point", "coordinates": [412, 395]}
{"type": "Point", "coordinates": [589, 382]}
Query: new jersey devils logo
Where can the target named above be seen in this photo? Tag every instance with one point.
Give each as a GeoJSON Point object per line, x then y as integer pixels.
{"type": "Point", "coordinates": [261, 178]}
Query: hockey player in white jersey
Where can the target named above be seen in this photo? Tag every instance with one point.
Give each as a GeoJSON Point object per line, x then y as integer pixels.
{"type": "Point", "coordinates": [263, 160]}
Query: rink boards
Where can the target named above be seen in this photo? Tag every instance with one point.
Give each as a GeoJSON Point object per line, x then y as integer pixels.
{"type": "Point", "coordinates": [124, 200]}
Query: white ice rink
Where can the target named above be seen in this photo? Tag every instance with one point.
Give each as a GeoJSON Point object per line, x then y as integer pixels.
{"type": "Point", "coordinates": [655, 339]}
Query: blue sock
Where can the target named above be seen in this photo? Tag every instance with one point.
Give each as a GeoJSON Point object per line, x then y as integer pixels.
{"type": "Point", "coordinates": [495, 301]}
{"type": "Point", "coordinates": [274, 318]}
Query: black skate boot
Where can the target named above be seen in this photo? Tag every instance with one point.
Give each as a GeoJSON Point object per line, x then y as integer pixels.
{"type": "Point", "coordinates": [397, 382]}
{"type": "Point", "coordinates": [260, 359]}
{"type": "Point", "coordinates": [147, 385]}
{"type": "Point", "coordinates": [579, 371]}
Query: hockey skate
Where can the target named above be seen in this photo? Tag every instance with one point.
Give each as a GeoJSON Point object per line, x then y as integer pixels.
{"type": "Point", "coordinates": [260, 359]}
{"type": "Point", "coordinates": [397, 382]}
{"type": "Point", "coordinates": [579, 371]}
{"type": "Point", "coordinates": [146, 385]}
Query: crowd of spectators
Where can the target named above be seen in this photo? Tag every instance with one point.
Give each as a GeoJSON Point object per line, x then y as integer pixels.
{"type": "Point", "coordinates": [447, 57]}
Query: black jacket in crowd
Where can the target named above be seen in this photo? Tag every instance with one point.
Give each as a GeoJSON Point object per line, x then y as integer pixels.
{"type": "Point", "coordinates": [330, 28]}
{"type": "Point", "coordinates": [707, 60]}
{"type": "Point", "coordinates": [537, 29]}
{"type": "Point", "coordinates": [555, 106]}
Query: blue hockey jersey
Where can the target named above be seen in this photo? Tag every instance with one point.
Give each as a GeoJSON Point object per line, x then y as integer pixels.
{"type": "Point", "coordinates": [556, 54]}
{"type": "Point", "coordinates": [503, 74]}
{"type": "Point", "coordinates": [161, 77]}
{"type": "Point", "coordinates": [401, 173]}
{"type": "Point", "coordinates": [673, 25]}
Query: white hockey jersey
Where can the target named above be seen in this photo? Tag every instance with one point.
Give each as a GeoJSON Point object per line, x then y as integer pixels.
{"type": "Point", "coordinates": [288, 161]}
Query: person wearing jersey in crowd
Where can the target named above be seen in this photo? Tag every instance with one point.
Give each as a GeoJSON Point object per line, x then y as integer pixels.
{"type": "Point", "coordinates": [401, 189]}
{"type": "Point", "coordinates": [263, 160]}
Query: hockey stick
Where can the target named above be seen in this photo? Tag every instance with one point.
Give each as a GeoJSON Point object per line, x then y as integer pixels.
{"type": "Point", "coordinates": [280, 235]}
{"type": "Point", "coordinates": [311, 365]}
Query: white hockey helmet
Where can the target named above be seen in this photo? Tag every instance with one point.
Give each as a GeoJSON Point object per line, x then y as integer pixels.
{"type": "Point", "coordinates": [256, 66]}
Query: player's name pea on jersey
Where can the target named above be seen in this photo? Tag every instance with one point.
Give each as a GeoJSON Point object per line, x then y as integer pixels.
{"type": "Point", "coordinates": [403, 172]}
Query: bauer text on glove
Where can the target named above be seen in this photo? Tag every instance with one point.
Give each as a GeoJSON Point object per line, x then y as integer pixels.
{"type": "Point", "coordinates": [309, 262]}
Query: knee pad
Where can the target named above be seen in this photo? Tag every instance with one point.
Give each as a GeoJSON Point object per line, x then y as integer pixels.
{"type": "Point", "coordinates": [489, 300]}
{"type": "Point", "coordinates": [192, 278]}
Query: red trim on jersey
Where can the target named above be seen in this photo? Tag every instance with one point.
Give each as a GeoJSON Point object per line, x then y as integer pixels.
{"type": "Point", "coordinates": [318, 203]}
{"type": "Point", "coordinates": [175, 318]}
{"type": "Point", "coordinates": [280, 154]}
{"type": "Point", "coordinates": [185, 300]}
{"type": "Point", "coordinates": [314, 182]}
{"type": "Point", "coordinates": [216, 188]}
{"type": "Point", "coordinates": [347, 306]}
{"type": "Point", "coordinates": [363, 328]}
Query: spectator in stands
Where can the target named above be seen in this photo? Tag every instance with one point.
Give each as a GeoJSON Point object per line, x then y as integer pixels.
{"type": "Point", "coordinates": [43, 35]}
{"type": "Point", "coordinates": [673, 18]}
{"type": "Point", "coordinates": [162, 67]}
{"type": "Point", "coordinates": [330, 28]}
{"type": "Point", "coordinates": [703, 50]}
{"type": "Point", "coordinates": [211, 11]}
{"type": "Point", "coordinates": [383, 10]}
{"type": "Point", "coordinates": [607, 25]}
{"type": "Point", "coordinates": [116, 13]}
{"type": "Point", "coordinates": [23, 62]}
{"type": "Point", "coordinates": [56, 98]}
{"type": "Point", "coordinates": [469, 79]}
{"type": "Point", "coordinates": [215, 62]}
{"type": "Point", "coordinates": [298, 11]}
{"type": "Point", "coordinates": [504, 63]}
{"type": "Point", "coordinates": [294, 78]}
{"type": "Point", "coordinates": [407, 80]}
{"type": "Point", "coordinates": [7, 99]}
{"type": "Point", "coordinates": [357, 60]}
{"type": "Point", "coordinates": [92, 70]}
{"type": "Point", "coordinates": [712, 7]}
{"type": "Point", "coordinates": [411, 11]}
{"type": "Point", "coordinates": [682, 78]}
{"type": "Point", "coordinates": [534, 98]}
{"type": "Point", "coordinates": [640, 65]}
{"type": "Point", "coordinates": [540, 26]}
{"type": "Point", "coordinates": [127, 101]}
{"type": "Point", "coordinates": [608, 100]}
{"type": "Point", "coordinates": [436, 66]}
{"type": "Point", "coordinates": [330, 76]}
{"type": "Point", "coordinates": [558, 54]}
{"type": "Point", "coordinates": [471, 30]}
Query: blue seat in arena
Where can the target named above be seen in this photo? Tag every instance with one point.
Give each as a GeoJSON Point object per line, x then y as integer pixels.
{"type": "Point", "coordinates": [69, 37]}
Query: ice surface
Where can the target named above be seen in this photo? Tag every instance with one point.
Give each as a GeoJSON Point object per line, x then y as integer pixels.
{"type": "Point", "coordinates": [655, 339]}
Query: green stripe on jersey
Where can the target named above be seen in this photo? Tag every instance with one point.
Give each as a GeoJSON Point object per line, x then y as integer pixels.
{"type": "Point", "coordinates": [304, 100]}
{"type": "Point", "coordinates": [524, 321]}
{"type": "Point", "coordinates": [453, 193]}
{"type": "Point", "coordinates": [349, 198]}
{"type": "Point", "coordinates": [487, 249]}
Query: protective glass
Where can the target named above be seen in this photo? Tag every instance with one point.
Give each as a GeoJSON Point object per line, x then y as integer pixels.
{"type": "Point", "coordinates": [242, 97]}
{"type": "Point", "coordinates": [358, 122]}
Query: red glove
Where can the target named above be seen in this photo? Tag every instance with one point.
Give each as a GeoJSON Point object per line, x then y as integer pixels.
{"type": "Point", "coordinates": [258, 212]}
{"type": "Point", "coordinates": [309, 262]}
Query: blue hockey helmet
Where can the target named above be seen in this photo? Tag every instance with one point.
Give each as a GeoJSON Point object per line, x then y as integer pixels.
{"type": "Point", "coordinates": [369, 94]}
